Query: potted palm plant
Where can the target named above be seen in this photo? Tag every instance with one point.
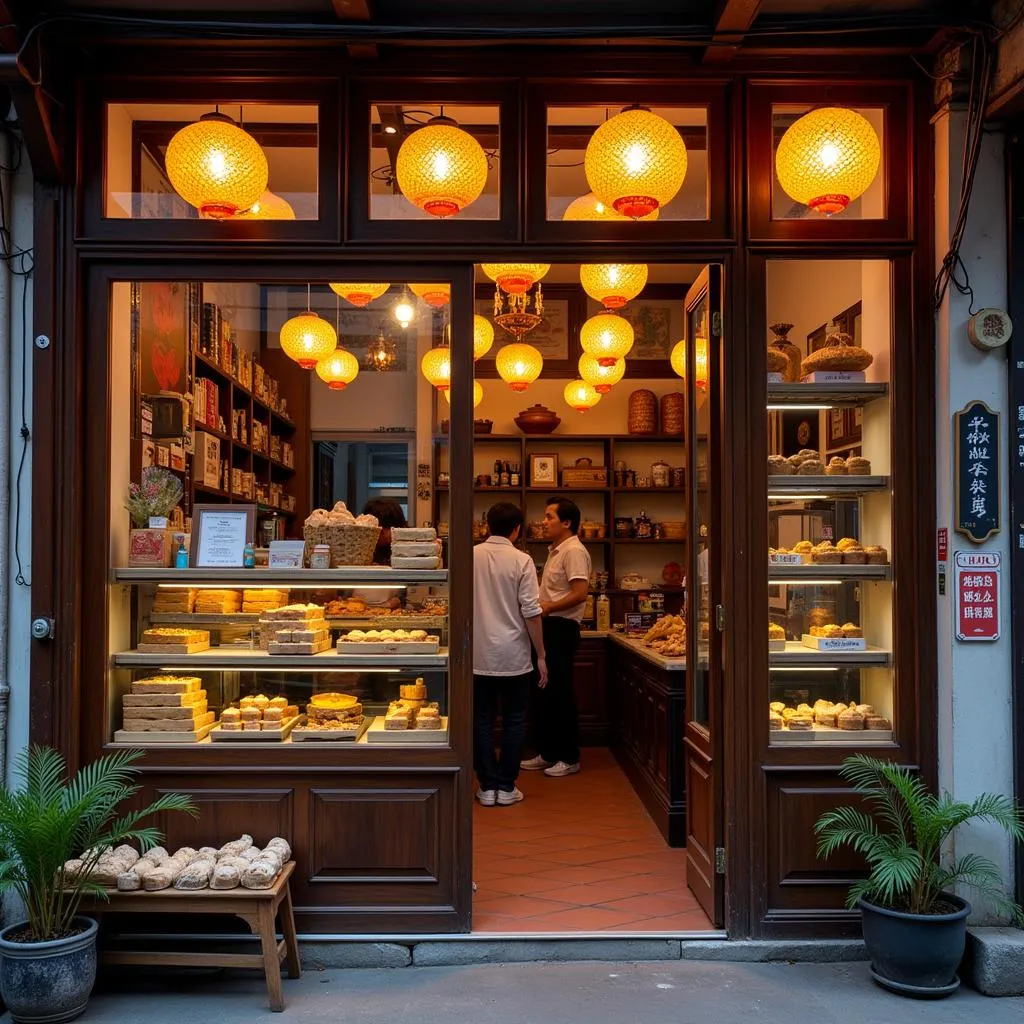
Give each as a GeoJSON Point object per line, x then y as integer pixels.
{"type": "Point", "coordinates": [915, 926]}
{"type": "Point", "coordinates": [48, 963]}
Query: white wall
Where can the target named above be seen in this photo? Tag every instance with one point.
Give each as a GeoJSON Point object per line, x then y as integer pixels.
{"type": "Point", "coordinates": [974, 679]}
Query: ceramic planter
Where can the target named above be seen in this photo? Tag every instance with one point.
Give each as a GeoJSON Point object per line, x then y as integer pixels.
{"type": "Point", "coordinates": [916, 954]}
{"type": "Point", "coordinates": [48, 981]}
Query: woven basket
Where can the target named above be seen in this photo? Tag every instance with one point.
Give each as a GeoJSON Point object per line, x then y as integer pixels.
{"type": "Point", "coordinates": [350, 545]}
{"type": "Point", "coordinates": [673, 407]}
{"type": "Point", "coordinates": [642, 412]}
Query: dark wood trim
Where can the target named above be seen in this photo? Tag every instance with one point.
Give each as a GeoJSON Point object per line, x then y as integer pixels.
{"type": "Point", "coordinates": [41, 120]}
{"type": "Point", "coordinates": [732, 19]}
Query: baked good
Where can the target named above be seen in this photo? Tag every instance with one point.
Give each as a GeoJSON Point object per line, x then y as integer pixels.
{"type": "Point", "coordinates": [776, 632]}
{"type": "Point", "coordinates": [398, 716]}
{"type": "Point", "coordinates": [427, 717]}
{"type": "Point", "coordinates": [811, 467]}
{"type": "Point", "coordinates": [413, 691]}
{"type": "Point", "coordinates": [850, 719]}
{"type": "Point", "coordinates": [196, 876]}
{"type": "Point", "coordinates": [332, 700]}
{"type": "Point", "coordinates": [273, 716]}
{"type": "Point", "coordinates": [836, 466]}
{"type": "Point", "coordinates": [774, 720]}
{"type": "Point", "coordinates": [855, 556]}
{"type": "Point", "coordinates": [234, 848]}
{"type": "Point", "coordinates": [788, 713]}
{"type": "Point", "coordinates": [776, 706]}
{"type": "Point", "coordinates": [231, 715]}
{"type": "Point", "coordinates": [250, 714]}
{"type": "Point", "coordinates": [866, 709]}
{"type": "Point", "coordinates": [876, 554]}
{"type": "Point", "coordinates": [260, 875]}
{"type": "Point", "coordinates": [838, 353]}
{"type": "Point", "coordinates": [845, 543]}
{"type": "Point", "coordinates": [857, 466]}
{"type": "Point", "coordinates": [779, 466]}
{"type": "Point", "coordinates": [225, 876]}
{"type": "Point", "coordinates": [803, 547]}
{"type": "Point", "coordinates": [825, 554]}
{"type": "Point", "coordinates": [852, 630]}
{"type": "Point", "coordinates": [401, 534]}
{"type": "Point", "coordinates": [795, 462]}
{"type": "Point", "coordinates": [278, 702]}
{"type": "Point", "coordinates": [877, 722]}
{"type": "Point", "coordinates": [801, 723]}
{"type": "Point", "coordinates": [168, 635]}
{"type": "Point", "coordinates": [282, 846]}
{"type": "Point", "coordinates": [826, 716]}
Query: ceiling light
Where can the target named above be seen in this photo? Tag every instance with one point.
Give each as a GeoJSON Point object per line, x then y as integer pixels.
{"type": "Point", "coordinates": [519, 365]}
{"type": "Point", "coordinates": [359, 294]}
{"type": "Point", "coordinates": [436, 295]}
{"type": "Point", "coordinates": [603, 378]}
{"type": "Point", "coordinates": [338, 370]}
{"type": "Point", "coordinates": [441, 168]}
{"type": "Point", "coordinates": [607, 336]}
{"type": "Point", "coordinates": [589, 207]}
{"type": "Point", "coordinates": [483, 336]}
{"type": "Point", "coordinates": [613, 284]}
{"type": "Point", "coordinates": [515, 278]}
{"type": "Point", "coordinates": [308, 338]}
{"type": "Point", "coordinates": [478, 394]}
{"type": "Point", "coordinates": [580, 395]}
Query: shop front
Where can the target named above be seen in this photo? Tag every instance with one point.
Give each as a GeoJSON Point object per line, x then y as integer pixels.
{"type": "Point", "coordinates": [732, 382]}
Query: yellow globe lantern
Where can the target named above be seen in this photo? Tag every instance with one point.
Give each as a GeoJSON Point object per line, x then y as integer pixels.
{"type": "Point", "coordinates": [580, 395]}
{"type": "Point", "coordinates": [519, 365]}
{"type": "Point", "coordinates": [478, 394]}
{"type": "Point", "coordinates": [338, 370]}
{"type": "Point", "coordinates": [515, 278]}
{"type": "Point", "coordinates": [441, 168]}
{"type": "Point", "coordinates": [603, 378]}
{"type": "Point", "coordinates": [678, 360]}
{"type": "Point", "coordinates": [436, 295]}
{"type": "Point", "coordinates": [828, 158]}
{"type": "Point", "coordinates": [437, 367]}
{"type": "Point", "coordinates": [308, 338]}
{"type": "Point", "coordinates": [360, 294]}
{"type": "Point", "coordinates": [589, 207]}
{"type": "Point", "coordinates": [268, 207]}
{"type": "Point", "coordinates": [613, 284]}
{"type": "Point", "coordinates": [483, 336]}
{"type": "Point", "coordinates": [608, 337]}
{"type": "Point", "coordinates": [216, 166]}
{"type": "Point", "coordinates": [635, 162]}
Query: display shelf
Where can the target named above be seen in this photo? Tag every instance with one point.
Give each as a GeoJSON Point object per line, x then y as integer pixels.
{"type": "Point", "coordinates": [347, 576]}
{"type": "Point", "coordinates": [824, 486]}
{"type": "Point", "coordinates": [245, 659]}
{"type": "Point", "coordinates": [812, 571]}
{"type": "Point", "coordinates": [823, 735]}
{"type": "Point", "coordinates": [798, 656]}
{"type": "Point", "coordinates": [840, 393]}
{"type": "Point", "coordinates": [212, 621]}
{"type": "Point", "coordinates": [583, 540]}
{"type": "Point", "coordinates": [555, 489]}
{"type": "Point", "coordinates": [649, 540]}
{"type": "Point", "coordinates": [207, 489]}
{"type": "Point", "coordinates": [214, 432]}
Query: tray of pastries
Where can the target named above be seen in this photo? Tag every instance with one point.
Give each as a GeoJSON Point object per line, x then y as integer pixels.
{"type": "Point", "coordinates": [332, 716]}
{"type": "Point", "coordinates": [409, 720]}
{"type": "Point", "coordinates": [776, 637]}
{"type": "Point", "coordinates": [256, 718]}
{"type": "Point", "coordinates": [166, 640]}
{"type": "Point", "coordinates": [830, 637]}
{"type": "Point", "coordinates": [387, 641]}
{"type": "Point", "coordinates": [829, 721]}
{"type": "Point", "coordinates": [667, 636]}
{"type": "Point", "coordinates": [165, 709]}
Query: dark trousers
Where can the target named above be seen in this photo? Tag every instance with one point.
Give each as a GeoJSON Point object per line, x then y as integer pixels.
{"type": "Point", "coordinates": [555, 714]}
{"type": "Point", "coordinates": [511, 694]}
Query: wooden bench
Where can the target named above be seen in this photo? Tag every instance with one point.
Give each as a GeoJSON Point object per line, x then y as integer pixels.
{"type": "Point", "coordinates": [257, 907]}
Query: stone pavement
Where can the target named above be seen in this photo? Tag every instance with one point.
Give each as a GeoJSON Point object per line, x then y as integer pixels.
{"type": "Point", "coordinates": [673, 992]}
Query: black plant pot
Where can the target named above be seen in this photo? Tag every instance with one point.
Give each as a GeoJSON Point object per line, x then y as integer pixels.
{"type": "Point", "coordinates": [48, 982]}
{"type": "Point", "coordinates": [916, 954]}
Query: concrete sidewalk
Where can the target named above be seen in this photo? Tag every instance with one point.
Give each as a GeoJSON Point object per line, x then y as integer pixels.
{"type": "Point", "coordinates": [527, 993]}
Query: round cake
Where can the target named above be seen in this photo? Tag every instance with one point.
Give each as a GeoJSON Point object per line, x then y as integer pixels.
{"type": "Point", "coordinates": [334, 701]}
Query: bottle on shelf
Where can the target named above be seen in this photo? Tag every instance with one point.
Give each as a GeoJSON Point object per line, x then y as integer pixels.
{"type": "Point", "coordinates": [604, 612]}
{"type": "Point", "coordinates": [643, 527]}
{"type": "Point", "coordinates": [514, 475]}
{"type": "Point", "coordinates": [181, 556]}
{"type": "Point", "coordinates": [588, 610]}
{"type": "Point", "coordinates": [248, 556]}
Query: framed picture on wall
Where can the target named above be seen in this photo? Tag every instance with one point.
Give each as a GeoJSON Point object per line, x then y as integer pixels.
{"type": "Point", "coordinates": [800, 430]}
{"type": "Point", "coordinates": [543, 470]}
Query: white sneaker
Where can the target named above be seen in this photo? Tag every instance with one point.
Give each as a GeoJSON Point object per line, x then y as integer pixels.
{"type": "Point", "coordinates": [507, 799]}
{"type": "Point", "coordinates": [560, 768]}
{"type": "Point", "coordinates": [488, 797]}
{"type": "Point", "coordinates": [535, 764]}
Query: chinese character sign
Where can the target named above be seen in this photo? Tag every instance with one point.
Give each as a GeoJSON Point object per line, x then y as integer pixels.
{"type": "Point", "coordinates": [977, 595]}
{"type": "Point", "coordinates": [976, 441]}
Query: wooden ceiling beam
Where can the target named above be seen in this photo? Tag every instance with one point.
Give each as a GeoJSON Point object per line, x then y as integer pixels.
{"type": "Point", "coordinates": [733, 18]}
{"type": "Point", "coordinates": [356, 10]}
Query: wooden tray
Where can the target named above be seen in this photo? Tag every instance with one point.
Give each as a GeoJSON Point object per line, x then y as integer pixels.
{"type": "Point", "coordinates": [844, 643]}
{"type": "Point", "coordinates": [196, 647]}
{"type": "Point", "coordinates": [399, 647]}
{"type": "Point", "coordinates": [378, 734]}
{"type": "Point", "coordinates": [219, 735]}
{"type": "Point", "coordinates": [143, 739]}
{"type": "Point", "coordinates": [300, 733]}
{"type": "Point", "coordinates": [826, 734]}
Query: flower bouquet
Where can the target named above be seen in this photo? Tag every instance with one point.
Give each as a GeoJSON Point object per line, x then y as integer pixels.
{"type": "Point", "coordinates": [149, 503]}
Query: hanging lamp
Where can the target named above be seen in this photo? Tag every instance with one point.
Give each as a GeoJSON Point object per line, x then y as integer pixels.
{"type": "Point", "coordinates": [308, 338]}
{"type": "Point", "coordinates": [613, 284]}
{"type": "Point", "coordinates": [635, 162]}
{"type": "Point", "coordinates": [437, 367]}
{"type": "Point", "coordinates": [405, 311]}
{"type": "Point", "coordinates": [515, 278]}
{"type": "Point", "coordinates": [483, 336]}
{"type": "Point", "coordinates": [519, 365]}
{"type": "Point", "coordinates": [603, 378]}
{"type": "Point", "coordinates": [216, 166]}
{"type": "Point", "coordinates": [436, 295]}
{"type": "Point", "coordinates": [441, 168]}
{"type": "Point", "coordinates": [828, 158]}
{"type": "Point", "coordinates": [268, 207]}
{"type": "Point", "coordinates": [580, 395]}
{"type": "Point", "coordinates": [478, 394]}
{"type": "Point", "coordinates": [359, 294]}
{"type": "Point", "coordinates": [381, 354]}
{"type": "Point", "coordinates": [338, 370]}
{"type": "Point", "coordinates": [678, 360]}
{"type": "Point", "coordinates": [589, 207]}
{"type": "Point", "coordinates": [607, 336]}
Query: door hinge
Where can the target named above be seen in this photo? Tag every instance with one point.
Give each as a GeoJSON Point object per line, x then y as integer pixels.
{"type": "Point", "coordinates": [719, 860]}
{"type": "Point", "coordinates": [716, 324]}
{"type": "Point", "coordinates": [720, 617]}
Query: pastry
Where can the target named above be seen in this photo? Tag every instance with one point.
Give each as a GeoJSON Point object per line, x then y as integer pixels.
{"type": "Point", "coordinates": [779, 466]}
{"type": "Point", "coordinates": [855, 556]}
{"type": "Point", "coordinates": [234, 848]}
{"type": "Point", "coordinates": [788, 713]}
{"type": "Point", "coordinates": [776, 632]}
{"type": "Point", "coordinates": [282, 846]}
{"type": "Point", "coordinates": [774, 720]}
{"type": "Point", "coordinates": [803, 547]}
{"type": "Point", "coordinates": [877, 722]}
{"type": "Point", "coordinates": [260, 875]}
{"type": "Point", "coordinates": [195, 876]}
{"type": "Point", "coordinates": [876, 555]}
{"type": "Point", "coordinates": [231, 715]}
{"type": "Point", "coordinates": [836, 466]}
{"type": "Point", "coordinates": [826, 716]}
{"type": "Point", "coordinates": [273, 716]}
{"type": "Point", "coordinates": [818, 617]}
{"type": "Point", "coordinates": [846, 543]}
{"type": "Point", "coordinates": [225, 876]}
{"type": "Point", "coordinates": [852, 630]}
{"type": "Point", "coordinates": [850, 719]}
{"type": "Point", "coordinates": [413, 691]}
{"type": "Point", "coordinates": [252, 726]}
{"type": "Point", "coordinates": [866, 709]}
{"type": "Point", "coordinates": [801, 723]}
{"type": "Point", "coordinates": [812, 467]}
{"type": "Point", "coordinates": [838, 353]}
{"type": "Point", "coordinates": [250, 714]}
{"type": "Point", "coordinates": [428, 717]}
{"type": "Point", "coordinates": [278, 702]}
{"type": "Point", "coordinates": [776, 706]}
{"type": "Point", "coordinates": [832, 632]}
{"type": "Point", "coordinates": [825, 554]}
{"type": "Point", "coordinates": [856, 466]}
{"type": "Point", "coordinates": [332, 700]}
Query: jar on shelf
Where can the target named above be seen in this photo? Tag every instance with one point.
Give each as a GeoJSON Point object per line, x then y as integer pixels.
{"type": "Point", "coordinates": [642, 526]}
{"type": "Point", "coordinates": [661, 474]}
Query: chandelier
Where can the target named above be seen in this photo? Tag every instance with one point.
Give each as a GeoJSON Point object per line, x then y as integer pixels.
{"type": "Point", "coordinates": [589, 207]}
{"type": "Point", "coordinates": [483, 336]}
{"type": "Point", "coordinates": [338, 370]}
{"type": "Point", "coordinates": [678, 361]}
{"type": "Point", "coordinates": [580, 395]}
{"type": "Point", "coordinates": [613, 284]}
{"type": "Point", "coordinates": [441, 168]}
{"type": "Point", "coordinates": [216, 166]}
{"type": "Point", "coordinates": [519, 365]}
{"type": "Point", "coordinates": [436, 295]}
{"type": "Point", "coordinates": [603, 378]}
{"type": "Point", "coordinates": [828, 158]}
{"type": "Point", "coordinates": [268, 207]}
{"type": "Point", "coordinates": [515, 278]}
{"type": "Point", "coordinates": [516, 313]}
{"type": "Point", "coordinates": [608, 337]}
{"type": "Point", "coordinates": [635, 162]}
{"type": "Point", "coordinates": [381, 354]}
{"type": "Point", "coordinates": [478, 394]}
{"type": "Point", "coordinates": [359, 294]}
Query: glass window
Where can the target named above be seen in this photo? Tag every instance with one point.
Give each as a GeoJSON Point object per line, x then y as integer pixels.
{"type": "Point", "coordinates": [139, 180]}
{"type": "Point", "coordinates": [829, 539]}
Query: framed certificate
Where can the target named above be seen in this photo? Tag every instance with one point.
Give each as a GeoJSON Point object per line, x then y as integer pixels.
{"type": "Point", "coordinates": [219, 535]}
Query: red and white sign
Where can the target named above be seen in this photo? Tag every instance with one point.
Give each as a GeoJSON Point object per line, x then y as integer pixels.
{"type": "Point", "coordinates": [977, 595]}
{"type": "Point", "coordinates": [942, 544]}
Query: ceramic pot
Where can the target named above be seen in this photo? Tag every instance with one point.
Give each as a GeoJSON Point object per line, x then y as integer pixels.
{"type": "Point", "coordinates": [538, 419]}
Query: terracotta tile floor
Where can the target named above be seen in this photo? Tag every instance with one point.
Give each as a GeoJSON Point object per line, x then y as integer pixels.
{"type": "Point", "coordinates": [578, 854]}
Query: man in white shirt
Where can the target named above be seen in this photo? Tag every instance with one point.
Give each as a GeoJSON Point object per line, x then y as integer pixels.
{"type": "Point", "coordinates": [563, 595]}
{"type": "Point", "coordinates": [506, 620]}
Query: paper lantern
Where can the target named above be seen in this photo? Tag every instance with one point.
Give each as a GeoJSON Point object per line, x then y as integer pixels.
{"type": "Point", "coordinates": [608, 337]}
{"type": "Point", "coordinates": [478, 394]}
{"type": "Point", "coordinates": [635, 162]}
{"type": "Point", "coordinates": [678, 361]}
{"type": "Point", "coordinates": [515, 278]}
{"type": "Point", "coordinates": [441, 168]}
{"type": "Point", "coordinates": [268, 207]}
{"type": "Point", "coordinates": [603, 378]}
{"type": "Point", "coordinates": [589, 207]}
{"type": "Point", "coordinates": [483, 335]}
{"type": "Point", "coordinates": [580, 395]}
{"type": "Point", "coordinates": [437, 367]}
{"type": "Point", "coordinates": [216, 166]}
{"type": "Point", "coordinates": [436, 295]}
{"type": "Point", "coordinates": [360, 294]}
{"type": "Point", "coordinates": [338, 370]}
{"type": "Point", "coordinates": [828, 158]}
{"type": "Point", "coordinates": [308, 338]}
{"type": "Point", "coordinates": [519, 365]}
{"type": "Point", "coordinates": [613, 284]}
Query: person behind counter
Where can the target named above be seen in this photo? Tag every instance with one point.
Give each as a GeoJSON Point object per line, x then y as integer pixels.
{"type": "Point", "coordinates": [563, 595]}
{"type": "Point", "coordinates": [506, 621]}
{"type": "Point", "coordinates": [389, 514]}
